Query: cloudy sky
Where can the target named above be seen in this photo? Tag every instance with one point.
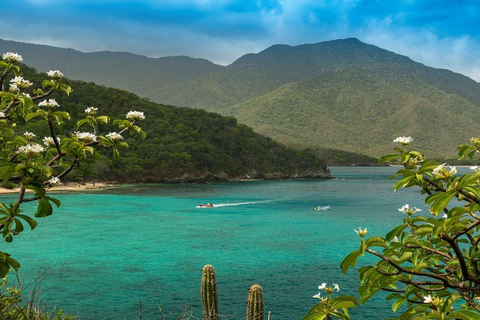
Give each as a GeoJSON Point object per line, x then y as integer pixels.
{"type": "Point", "coordinates": [438, 33]}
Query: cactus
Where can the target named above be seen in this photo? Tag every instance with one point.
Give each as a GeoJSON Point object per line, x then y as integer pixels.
{"type": "Point", "coordinates": [209, 293]}
{"type": "Point", "coordinates": [255, 303]}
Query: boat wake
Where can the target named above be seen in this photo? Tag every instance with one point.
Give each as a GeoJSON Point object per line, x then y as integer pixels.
{"type": "Point", "coordinates": [228, 204]}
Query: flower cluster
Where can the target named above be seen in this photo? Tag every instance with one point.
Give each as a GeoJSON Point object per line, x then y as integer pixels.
{"type": "Point", "coordinates": [19, 83]}
{"type": "Point", "coordinates": [55, 74]}
{"type": "Point", "coordinates": [114, 136]}
{"type": "Point", "coordinates": [85, 136]}
{"type": "Point", "coordinates": [442, 172]}
{"type": "Point", "coordinates": [436, 301]}
{"type": "Point", "coordinates": [50, 103]}
{"type": "Point", "coordinates": [91, 111]}
{"type": "Point", "coordinates": [361, 233]}
{"type": "Point", "coordinates": [475, 168]}
{"type": "Point", "coordinates": [48, 141]}
{"type": "Point", "coordinates": [135, 115]}
{"type": "Point", "coordinates": [29, 135]}
{"type": "Point", "coordinates": [31, 149]}
{"type": "Point", "coordinates": [54, 181]}
{"type": "Point", "coordinates": [328, 290]}
{"type": "Point", "coordinates": [412, 162]}
{"type": "Point", "coordinates": [403, 140]}
{"type": "Point", "coordinates": [409, 210]}
{"type": "Point", "coordinates": [12, 57]}
{"type": "Point", "coordinates": [475, 141]}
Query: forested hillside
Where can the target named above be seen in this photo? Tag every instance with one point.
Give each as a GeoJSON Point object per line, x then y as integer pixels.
{"type": "Point", "coordinates": [335, 95]}
{"type": "Point", "coordinates": [182, 144]}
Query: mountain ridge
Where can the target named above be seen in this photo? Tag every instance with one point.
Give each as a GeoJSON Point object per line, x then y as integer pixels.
{"type": "Point", "coordinates": [409, 89]}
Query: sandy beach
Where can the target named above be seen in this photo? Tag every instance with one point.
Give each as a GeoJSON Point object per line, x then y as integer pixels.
{"type": "Point", "coordinates": [72, 186]}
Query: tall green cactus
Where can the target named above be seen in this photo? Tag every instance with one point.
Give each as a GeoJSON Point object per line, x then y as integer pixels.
{"type": "Point", "coordinates": [209, 293]}
{"type": "Point", "coordinates": [255, 307]}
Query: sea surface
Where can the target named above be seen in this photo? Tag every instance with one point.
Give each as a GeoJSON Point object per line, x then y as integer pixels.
{"type": "Point", "coordinates": [106, 250]}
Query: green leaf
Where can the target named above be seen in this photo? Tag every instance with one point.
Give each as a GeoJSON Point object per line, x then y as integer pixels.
{"type": "Point", "coordinates": [350, 261]}
{"type": "Point", "coordinates": [5, 172]}
{"type": "Point", "coordinates": [29, 220]}
{"type": "Point", "coordinates": [38, 113]}
{"type": "Point", "coordinates": [464, 315]}
{"type": "Point", "coordinates": [403, 182]}
{"type": "Point", "coordinates": [44, 208]}
{"type": "Point", "coordinates": [395, 232]}
{"type": "Point", "coordinates": [102, 119]}
{"type": "Point", "coordinates": [443, 201]}
{"type": "Point", "coordinates": [315, 316]}
{"type": "Point", "coordinates": [389, 157]}
{"type": "Point", "coordinates": [398, 303]}
{"type": "Point", "coordinates": [56, 201]}
{"type": "Point", "coordinates": [376, 242]}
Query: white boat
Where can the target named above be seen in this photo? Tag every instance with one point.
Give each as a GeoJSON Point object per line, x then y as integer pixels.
{"type": "Point", "coordinates": [324, 208]}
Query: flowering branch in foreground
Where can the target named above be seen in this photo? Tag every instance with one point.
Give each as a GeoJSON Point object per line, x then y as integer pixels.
{"type": "Point", "coordinates": [38, 166]}
{"type": "Point", "coordinates": [430, 263]}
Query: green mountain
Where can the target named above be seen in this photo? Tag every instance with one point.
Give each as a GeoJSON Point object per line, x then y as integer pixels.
{"type": "Point", "coordinates": [182, 144]}
{"type": "Point", "coordinates": [341, 94]}
{"type": "Point", "coordinates": [134, 73]}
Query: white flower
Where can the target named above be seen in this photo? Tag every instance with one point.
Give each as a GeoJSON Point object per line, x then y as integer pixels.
{"type": "Point", "coordinates": [474, 140]}
{"type": "Point", "coordinates": [29, 135]}
{"type": "Point", "coordinates": [444, 173]}
{"type": "Point", "coordinates": [12, 57]}
{"type": "Point", "coordinates": [409, 210]}
{"type": "Point", "coordinates": [318, 296]}
{"type": "Point", "coordinates": [403, 140]}
{"type": "Point", "coordinates": [428, 299]}
{"type": "Point", "coordinates": [85, 136]}
{"type": "Point", "coordinates": [13, 87]}
{"type": "Point", "coordinates": [48, 141]}
{"type": "Point", "coordinates": [31, 149]}
{"type": "Point", "coordinates": [21, 83]}
{"type": "Point", "coordinates": [91, 110]}
{"type": "Point", "coordinates": [50, 103]}
{"type": "Point", "coordinates": [55, 74]}
{"type": "Point", "coordinates": [360, 232]}
{"type": "Point", "coordinates": [322, 286]}
{"type": "Point", "coordinates": [54, 181]}
{"type": "Point", "coordinates": [336, 287]}
{"type": "Point", "coordinates": [114, 136]}
{"type": "Point", "coordinates": [395, 239]}
{"type": "Point", "coordinates": [135, 115]}
{"type": "Point", "coordinates": [475, 168]}
{"type": "Point", "coordinates": [444, 216]}
{"type": "Point", "coordinates": [2, 115]}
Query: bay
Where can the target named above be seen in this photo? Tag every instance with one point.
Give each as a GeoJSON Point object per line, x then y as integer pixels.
{"type": "Point", "coordinates": [109, 249]}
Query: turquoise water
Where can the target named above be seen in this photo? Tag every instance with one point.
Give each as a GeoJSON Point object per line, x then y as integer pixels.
{"type": "Point", "coordinates": [110, 249]}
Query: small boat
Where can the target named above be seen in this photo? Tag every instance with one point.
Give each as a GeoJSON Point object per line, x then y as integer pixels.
{"type": "Point", "coordinates": [324, 208]}
{"type": "Point", "coordinates": [208, 205]}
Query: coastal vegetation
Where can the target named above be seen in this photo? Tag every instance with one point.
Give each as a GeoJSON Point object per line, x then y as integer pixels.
{"type": "Point", "coordinates": [182, 145]}
{"type": "Point", "coordinates": [428, 264]}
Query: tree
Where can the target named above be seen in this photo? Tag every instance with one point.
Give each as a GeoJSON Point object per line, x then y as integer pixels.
{"type": "Point", "coordinates": [429, 264]}
{"type": "Point", "coordinates": [37, 167]}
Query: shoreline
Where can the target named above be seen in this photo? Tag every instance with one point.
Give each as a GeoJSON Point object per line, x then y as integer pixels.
{"type": "Point", "coordinates": [72, 186]}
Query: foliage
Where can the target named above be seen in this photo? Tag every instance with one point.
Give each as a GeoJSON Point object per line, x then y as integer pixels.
{"type": "Point", "coordinates": [429, 264]}
{"type": "Point", "coordinates": [12, 306]}
{"type": "Point", "coordinates": [331, 307]}
{"type": "Point", "coordinates": [36, 164]}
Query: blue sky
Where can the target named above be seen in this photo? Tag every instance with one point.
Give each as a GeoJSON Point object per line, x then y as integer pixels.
{"type": "Point", "coordinates": [438, 33]}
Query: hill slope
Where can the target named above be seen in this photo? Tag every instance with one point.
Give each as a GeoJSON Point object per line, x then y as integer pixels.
{"type": "Point", "coordinates": [134, 73]}
{"type": "Point", "coordinates": [182, 144]}
{"type": "Point", "coordinates": [341, 94]}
